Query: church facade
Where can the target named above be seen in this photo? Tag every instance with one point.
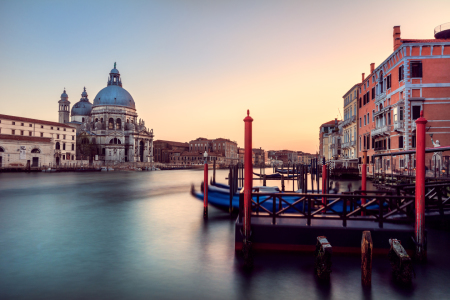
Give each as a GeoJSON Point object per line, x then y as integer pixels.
{"type": "Point", "coordinates": [108, 129]}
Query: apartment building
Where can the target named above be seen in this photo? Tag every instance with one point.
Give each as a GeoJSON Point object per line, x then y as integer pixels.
{"type": "Point", "coordinates": [227, 148]}
{"type": "Point", "coordinates": [415, 77]}
{"type": "Point", "coordinates": [350, 124]}
{"type": "Point", "coordinates": [324, 131]}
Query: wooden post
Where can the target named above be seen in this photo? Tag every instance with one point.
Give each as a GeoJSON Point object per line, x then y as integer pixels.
{"type": "Point", "coordinates": [282, 183]}
{"type": "Point", "coordinates": [400, 262]}
{"type": "Point", "coordinates": [366, 258]}
{"type": "Point", "coordinates": [363, 180]}
{"type": "Point", "coordinates": [214, 171]}
{"type": "Point", "coordinates": [205, 190]}
{"type": "Point", "coordinates": [264, 180]}
{"type": "Point", "coordinates": [324, 183]}
{"type": "Point", "coordinates": [248, 185]}
{"type": "Point", "coordinates": [421, 253]}
{"type": "Point", "coordinates": [323, 254]}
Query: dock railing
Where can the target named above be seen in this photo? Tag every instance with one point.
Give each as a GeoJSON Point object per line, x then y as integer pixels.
{"type": "Point", "coordinates": [386, 207]}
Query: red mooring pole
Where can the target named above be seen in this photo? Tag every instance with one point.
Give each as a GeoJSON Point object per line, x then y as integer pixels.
{"type": "Point", "coordinates": [248, 175]}
{"type": "Point", "coordinates": [363, 179]}
{"type": "Point", "coordinates": [420, 188]}
{"type": "Point", "coordinates": [205, 190]}
{"type": "Point", "coordinates": [324, 182]}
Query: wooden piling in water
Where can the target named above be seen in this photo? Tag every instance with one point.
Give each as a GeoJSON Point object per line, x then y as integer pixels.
{"type": "Point", "coordinates": [366, 258]}
{"type": "Point", "coordinates": [400, 262]}
{"type": "Point", "coordinates": [322, 255]}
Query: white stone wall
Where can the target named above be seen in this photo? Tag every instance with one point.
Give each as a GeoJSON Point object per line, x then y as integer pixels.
{"type": "Point", "coordinates": [11, 154]}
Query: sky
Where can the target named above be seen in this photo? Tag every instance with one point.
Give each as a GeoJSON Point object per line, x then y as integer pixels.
{"type": "Point", "coordinates": [195, 67]}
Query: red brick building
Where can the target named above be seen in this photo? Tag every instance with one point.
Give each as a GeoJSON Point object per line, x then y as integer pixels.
{"type": "Point", "coordinates": [162, 150]}
{"type": "Point", "coordinates": [414, 77]}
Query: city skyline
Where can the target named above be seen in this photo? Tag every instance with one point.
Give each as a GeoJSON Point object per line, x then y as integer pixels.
{"type": "Point", "coordinates": [194, 68]}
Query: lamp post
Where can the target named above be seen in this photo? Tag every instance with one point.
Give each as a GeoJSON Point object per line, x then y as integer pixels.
{"type": "Point", "coordinates": [205, 186]}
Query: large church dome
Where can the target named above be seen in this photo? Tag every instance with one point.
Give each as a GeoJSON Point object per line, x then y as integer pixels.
{"type": "Point", "coordinates": [114, 93]}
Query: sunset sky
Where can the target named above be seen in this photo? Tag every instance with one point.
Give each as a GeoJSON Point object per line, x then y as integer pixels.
{"type": "Point", "coordinates": [195, 67]}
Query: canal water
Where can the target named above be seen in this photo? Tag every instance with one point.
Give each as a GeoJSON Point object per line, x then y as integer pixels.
{"type": "Point", "coordinates": [140, 235]}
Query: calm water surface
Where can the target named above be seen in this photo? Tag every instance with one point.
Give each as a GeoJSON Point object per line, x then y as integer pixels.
{"type": "Point", "coordinates": [140, 235]}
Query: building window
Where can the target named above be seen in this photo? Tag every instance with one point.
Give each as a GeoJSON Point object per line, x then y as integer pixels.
{"type": "Point", "coordinates": [400, 142]}
{"type": "Point", "coordinates": [51, 128]}
{"type": "Point", "coordinates": [64, 146]}
{"type": "Point", "coordinates": [364, 120]}
{"type": "Point", "coordinates": [416, 69]}
{"type": "Point", "coordinates": [42, 126]}
{"type": "Point", "coordinates": [401, 73]}
{"type": "Point", "coordinates": [31, 125]}
{"type": "Point", "coordinates": [388, 82]}
{"type": "Point", "coordinates": [415, 112]}
{"type": "Point", "coordinates": [57, 136]}
{"type": "Point", "coordinates": [64, 129]}
{"type": "Point", "coordinates": [413, 141]}
{"type": "Point", "coordinates": [368, 118]}
{"type": "Point", "coordinates": [30, 133]}
{"type": "Point", "coordinates": [359, 122]}
{"type": "Point", "coordinates": [389, 118]}
{"type": "Point", "coordinates": [13, 131]}
{"type": "Point", "coordinates": [14, 123]}
{"type": "Point", "coordinates": [57, 128]}
{"type": "Point", "coordinates": [64, 137]}
{"type": "Point", "coordinates": [21, 132]}
{"type": "Point", "coordinates": [73, 130]}
{"type": "Point", "coordinates": [57, 146]}
{"type": "Point", "coordinates": [73, 137]}
{"type": "Point", "coordinates": [21, 124]}
{"type": "Point", "coordinates": [373, 115]}
{"type": "Point", "coordinates": [73, 147]}
{"type": "Point", "coordinates": [42, 134]}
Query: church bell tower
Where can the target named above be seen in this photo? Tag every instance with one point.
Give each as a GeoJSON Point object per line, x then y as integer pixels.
{"type": "Point", "coordinates": [64, 108]}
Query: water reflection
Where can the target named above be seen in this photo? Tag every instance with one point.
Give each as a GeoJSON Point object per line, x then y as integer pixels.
{"type": "Point", "coordinates": [137, 235]}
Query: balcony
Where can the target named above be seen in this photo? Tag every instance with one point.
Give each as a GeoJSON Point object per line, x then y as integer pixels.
{"type": "Point", "coordinates": [349, 121]}
{"type": "Point", "coordinates": [380, 96]}
{"type": "Point", "coordinates": [382, 148]}
{"type": "Point", "coordinates": [384, 109]}
{"type": "Point", "coordinates": [383, 130]}
{"type": "Point", "coordinates": [348, 145]}
{"type": "Point", "coordinates": [399, 126]}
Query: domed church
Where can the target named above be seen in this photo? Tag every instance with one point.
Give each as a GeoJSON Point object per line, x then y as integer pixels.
{"type": "Point", "coordinates": [108, 129]}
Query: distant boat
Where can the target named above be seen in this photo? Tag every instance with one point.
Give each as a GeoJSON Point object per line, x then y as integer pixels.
{"type": "Point", "coordinates": [107, 169]}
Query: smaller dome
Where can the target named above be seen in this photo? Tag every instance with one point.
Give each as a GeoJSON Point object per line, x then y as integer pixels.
{"type": "Point", "coordinates": [64, 95]}
{"type": "Point", "coordinates": [82, 108]}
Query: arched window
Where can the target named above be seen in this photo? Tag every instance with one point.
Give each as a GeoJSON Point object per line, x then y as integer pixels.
{"type": "Point", "coordinates": [119, 142]}
{"type": "Point", "coordinates": [82, 119]}
{"type": "Point", "coordinates": [111, 124]}
{"type": "Point", "coordinates": [118, 123]}
{"type": "Point", "coordinates": [35, 150]}
{"type": "Point", "coordinates": [1, 149]}
{"type": "Point", "coordinates": [101, 120]}
{"type": "Point", "coordinates": [128, 120]}
{"type": "Point", "coordinates": [96, 120]}
{"type": "Point", "coordinates": [57, 146]}
{"type": "Point", "coordinates": [85, 141]}
{"type": "Point", "coordinates": [115, 141]}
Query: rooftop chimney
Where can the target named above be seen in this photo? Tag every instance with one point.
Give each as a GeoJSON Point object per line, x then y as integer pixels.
{"type": "Point", "coordinates": [372, 67]}
{"type": "Point", "coordinates": [363, 77]}
{"type": "Point", "coordinates": [396, 35]}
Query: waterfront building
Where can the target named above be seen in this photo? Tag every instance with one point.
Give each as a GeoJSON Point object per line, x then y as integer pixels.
{"type": "Point", "coordinates": [324, 132]}
{"type": "Point", "coordinates": [26, 142]}
{"type": "Point", "coordinates": [164, 150]}
{"type": "Point", "coordinates": [108, 129]}
{"type": "Point", "coordinates": [415, 77]}
{"type": "Point", "coordinates": [261, 157]}
{"type": "Point", "coordinates": [227, 148]}
{"type": "Point", "coordinates": [349, 125]}
{"type": "Point", "coordinates": [334, 141]}
{"type": "Point", "coordinates": [187, 158]}
{"type": "Point", "coordinates": [366, 114]}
